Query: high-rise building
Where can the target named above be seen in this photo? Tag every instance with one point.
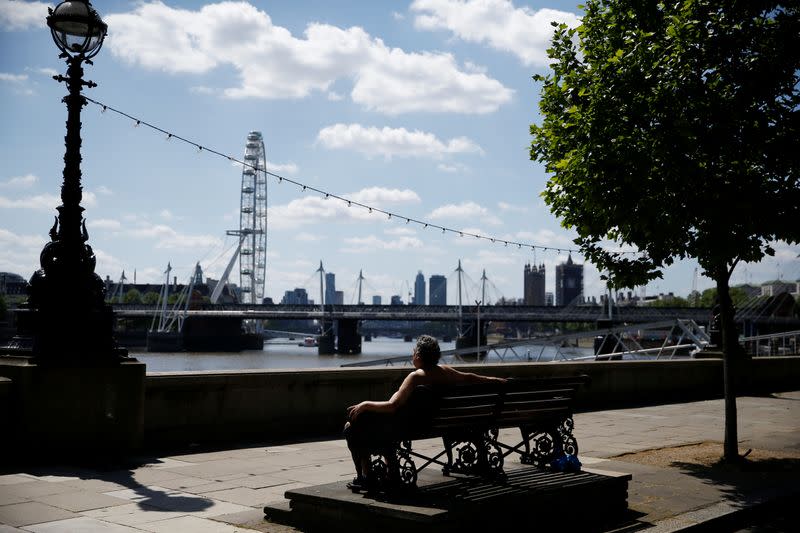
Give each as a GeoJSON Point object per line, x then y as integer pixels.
{"type": "Point", "coordinates": [534, 285]}
{"type": "Point", "coordinates": [376, 300]}
{"type": "Point", "coordinates": [396, 300]}
{"type": "Point", "coordinates": [437, 290]}
{"type": "Point", "coordinates": [298, 296]}
{"type": "Point", "coordinates": [569, 282]}
{"type": "Point", "coordinates": [330, 288]}
{"type": "Point", "coordinates": [419, 289]}
{"type": "Point", "coordinates": [339, 297]}
{"type": "Point", "coordinates": [549, 299]}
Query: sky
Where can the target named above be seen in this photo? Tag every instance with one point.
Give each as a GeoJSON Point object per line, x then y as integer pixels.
{"type": "Point", "coordinates": [421, 109]}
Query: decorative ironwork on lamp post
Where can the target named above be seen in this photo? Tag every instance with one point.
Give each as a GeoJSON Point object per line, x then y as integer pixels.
{"type": "Point", "coordinates": [66, 314]}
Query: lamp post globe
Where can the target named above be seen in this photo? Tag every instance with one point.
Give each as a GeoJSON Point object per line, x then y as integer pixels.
{"type": "Point", "coordinates": [77, 29]}
{"type": "Point", "coordinates": [67, 317]}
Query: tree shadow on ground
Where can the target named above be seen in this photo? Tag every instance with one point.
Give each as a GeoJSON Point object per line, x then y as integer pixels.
{"type": "Point", "coordinates": [748, 481]}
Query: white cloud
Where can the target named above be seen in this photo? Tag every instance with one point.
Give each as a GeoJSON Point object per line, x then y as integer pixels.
{"type": "Point", "coordinates": [396, 15]}
{"type": "Point", "coordinates": [110, 266]}
{"type": "Point", "coordinates": [19, 15]}
{"type": "Point", "coordinates": [401, 230]}
{"type": "Point", "coordinates": [468, 210]}
{"type": "Point", "coordinates": [40, 202]}
{"type": "Point", "coordinates": [543, 237]}
{"type": "Point", "coordinates": [282, 168]}
{"type": "Point", "coordinates": [379, 196]}
{"type": "Point", "coordinates": [20, 182]}
{"type": "Point", "coordinates": [13, 78]}
{"type": "Point", "coordinates": [504, 206]}
{"type": "Point", "coordinates": [334, 96]}
{"type": "Point", "coordinates": [165, 237]}
{"type": "Point", "coordinates": [452, 168]}
{"type": "Point", "coordinates": [390, 142]}
{"type": "Point", "coordinates": [104, 224]}
{"type": "Point", "coordinates": [43, 202]}
{"type": "Point", "coordinates": [20, 252]}
{"type": "Point", "coordinates": [522, 31]}
{"type": "Point", "coordinates": [373, 243]}
{"type": "Point", "coordinates": [102, 189]}
{"type": "Point", "coordinates": [201, 89]}
{"type": "Point", "coordinates": [46, 71]}
{"type": "Point", "coordinates": [272, 63]}
{"type": "Point", "coordinates": [307, 237]}
{"type": "Point", "coordinates": [312, 209]}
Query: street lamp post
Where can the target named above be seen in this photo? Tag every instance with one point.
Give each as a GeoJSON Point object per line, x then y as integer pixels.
{"type": "Point", "coordinates": [66, 314]}
{"type": "Point", "coordinates": [76, 395]}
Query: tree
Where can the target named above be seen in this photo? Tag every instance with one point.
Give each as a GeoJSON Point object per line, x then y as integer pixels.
{"type": "Point", "coordinates": [151, 298]}
{"type": "Point", "coordinates": [708, 298]}
{"type": "Point", "coordinates": [132, 296]}
{"type": "Point", "coordinates": [672, 128]}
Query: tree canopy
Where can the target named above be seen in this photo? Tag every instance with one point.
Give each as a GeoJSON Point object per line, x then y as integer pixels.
{"type": "Point", "coordinates": [673, 127]}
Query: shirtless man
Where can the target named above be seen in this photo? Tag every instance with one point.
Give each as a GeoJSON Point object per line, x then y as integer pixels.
{"type": "Point", "coordinates": [428, 372]}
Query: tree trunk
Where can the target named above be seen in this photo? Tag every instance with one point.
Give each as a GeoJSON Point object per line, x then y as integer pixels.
{"type": "Point", "coordinates": [730, 345]}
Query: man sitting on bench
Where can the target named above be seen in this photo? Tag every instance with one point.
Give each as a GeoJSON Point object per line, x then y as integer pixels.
{"type": "Point", "coordinates": [372, 422]}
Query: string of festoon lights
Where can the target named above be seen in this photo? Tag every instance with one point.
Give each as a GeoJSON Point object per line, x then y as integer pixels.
{"type": "Point", "coordinates": [329, 195]}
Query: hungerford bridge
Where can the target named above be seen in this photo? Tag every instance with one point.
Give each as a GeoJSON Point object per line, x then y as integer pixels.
{"type": "Point", "coordinates": [503, 313]}
{"type": "Point", "coordinates": [339, 324]}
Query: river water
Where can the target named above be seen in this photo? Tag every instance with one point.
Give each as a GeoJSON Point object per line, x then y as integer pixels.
{"type": "Point", "coordinates": [284, 354]}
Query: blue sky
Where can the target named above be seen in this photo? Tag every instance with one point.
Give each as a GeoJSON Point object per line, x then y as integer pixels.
{"type": "Point", "coordinates": [419, 108]}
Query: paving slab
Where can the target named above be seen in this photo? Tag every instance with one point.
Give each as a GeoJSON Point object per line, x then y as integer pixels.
{"type": "Point", "coordinates": [80, 500]}
{"type": "Point", "coordinates": [33, 489]}
{"type": "Point", "coordinates": [190, 523]}
{"type": "Point", "coordinates": [23, 514]}
{"type": "Point", "coordinates": [82, 524]}
{"type": "Point", "coordinates": [131, 514]}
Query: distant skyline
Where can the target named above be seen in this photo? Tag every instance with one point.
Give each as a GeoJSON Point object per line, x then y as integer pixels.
{"type": "Point", "coordinates": [420, 108]}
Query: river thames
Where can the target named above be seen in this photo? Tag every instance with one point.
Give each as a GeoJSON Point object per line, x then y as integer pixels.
{"type": "Point", "coordinates": [285, 354]}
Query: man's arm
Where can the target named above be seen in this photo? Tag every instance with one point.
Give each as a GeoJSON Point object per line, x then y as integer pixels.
{"type": "Point", "coordinates": [470, 378]}
{"type": "Point", "coordinates": [399, 398]}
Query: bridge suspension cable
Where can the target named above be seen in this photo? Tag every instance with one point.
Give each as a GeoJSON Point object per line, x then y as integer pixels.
{"type": "Point", "coordinates": [350, 203]}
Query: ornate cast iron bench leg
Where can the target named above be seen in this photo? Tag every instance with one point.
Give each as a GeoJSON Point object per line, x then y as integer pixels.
{"type": "Point", "coordinates": [542, 445]}
{"type": "Point", "coordinates": [569, 444]}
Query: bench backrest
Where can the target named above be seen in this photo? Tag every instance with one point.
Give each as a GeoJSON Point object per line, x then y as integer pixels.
{"type": "Point", "coordinates": [518, 402]}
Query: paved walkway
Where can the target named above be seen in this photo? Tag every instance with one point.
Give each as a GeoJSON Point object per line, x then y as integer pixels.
{"type": "Point", "coordinates": [225, 491]}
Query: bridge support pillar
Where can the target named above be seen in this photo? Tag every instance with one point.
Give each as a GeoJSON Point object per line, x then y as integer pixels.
{"type": "Point", "coordinates": [326, 342]}
{"type": "Point", "coordinates": [348, 337]}
{"type": "Point", "coordinates": [469, 339]}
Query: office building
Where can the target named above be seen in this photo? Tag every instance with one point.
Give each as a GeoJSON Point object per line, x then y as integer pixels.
{"type": "Point", "coordinates": [376, 300]}
{"type": "Point", "coordinates": [298, 296]}
{"type": "Point", "coordinates": [419, 289]}
{"type": "Point", "coordinates": [549, 299]}
{"type": "Point", "coordinates": [437, 290]}
{"type": "Point", "coordinates": [534, 285]}
{"type": "Point", "coordinates": [569, 283]}
{"type": "Point", "coordinates": [396, 300]}
{"type": "Point", "coordinates": [338, 297]}
{"type": "Point", "coordinates": [330, 288]}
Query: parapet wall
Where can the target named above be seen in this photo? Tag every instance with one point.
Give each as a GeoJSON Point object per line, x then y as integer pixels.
{"type": "Point", "coordinates": [215, 407]}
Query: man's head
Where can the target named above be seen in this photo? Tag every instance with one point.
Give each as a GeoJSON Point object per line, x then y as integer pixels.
{"type": "Point", "coordinates": [428, 350]}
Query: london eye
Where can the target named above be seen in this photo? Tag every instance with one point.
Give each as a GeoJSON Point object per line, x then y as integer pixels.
{"type": "Point", "coordinates": [252, 232]}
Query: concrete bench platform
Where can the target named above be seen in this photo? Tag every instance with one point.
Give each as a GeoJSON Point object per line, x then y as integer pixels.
{"type": "Point", "coordinates": [529, 495]}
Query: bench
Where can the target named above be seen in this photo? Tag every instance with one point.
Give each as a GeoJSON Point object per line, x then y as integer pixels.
{"type": "Point", "coordinates": [468, 419]}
